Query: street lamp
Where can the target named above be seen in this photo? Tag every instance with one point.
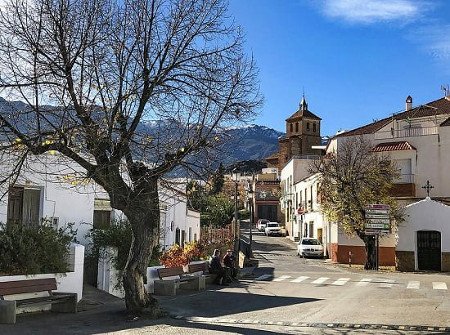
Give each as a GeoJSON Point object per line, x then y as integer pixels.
{"type": "Point", "coordinates": [250, 193]}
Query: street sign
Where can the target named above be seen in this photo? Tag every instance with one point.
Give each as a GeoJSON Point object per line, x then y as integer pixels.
{"type": "Point", "coordinates": [377, 219]}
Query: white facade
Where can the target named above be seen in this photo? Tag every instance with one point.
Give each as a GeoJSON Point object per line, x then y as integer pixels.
{"type": "Point", "coordinates": [295, 170]}
{"type": "Point", "coordinates": [59, 198]}
{"type": "Point", "coordinates": [425, 214]}
{"type": "Point", "coordinates": [309, 219]}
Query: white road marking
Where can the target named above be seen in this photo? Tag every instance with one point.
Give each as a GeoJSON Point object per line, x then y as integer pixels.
{"type": "Point", "coordinates": [413, 284]}
{"type": "Point", "coordinates": [299, 279]}
{"type": "Point", "coordinates": [387, 283]}
{"type": "Point", "coordinates": [341, 281]}
{"type": "Point", "coordinates": [439, 286]}
{"type": "Point", "coordinates": [263, 277]}
{"type": "Point", "coordinates": [364, 282]}
{"type": "Point", "coordinates": [320, 280]}
{"type": "Point", "coordinates": [282, 278]}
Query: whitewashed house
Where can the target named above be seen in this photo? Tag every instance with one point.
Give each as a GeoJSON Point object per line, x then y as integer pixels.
{"type": "Point", "coordinates": [56, 193]}
{"type": "Point", "coordinates": [418, 141]}
{"type": "Point", "coordinates": [309, 219]}
{"type": "Point", "coordinates": [295, 170]}
{"type": "Point", "coordinates": [424, 237]}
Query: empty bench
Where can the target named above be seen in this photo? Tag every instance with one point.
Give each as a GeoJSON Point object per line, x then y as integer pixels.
{"type": "Point", "coordinates": [60, 302]}
{"type": "Point", "coordinates": [172, 279]}
{"type": "Point", "coordinates": [203, 268]}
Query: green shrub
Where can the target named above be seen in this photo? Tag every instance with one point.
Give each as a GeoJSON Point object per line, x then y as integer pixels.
{"type": "Point", "coordinates": [32, 250]}
{"type": "Point", "coordinates": [119, 236]}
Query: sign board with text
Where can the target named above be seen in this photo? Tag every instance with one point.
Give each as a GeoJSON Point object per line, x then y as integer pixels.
{"type": "Point", "coordinates": [377, 219]}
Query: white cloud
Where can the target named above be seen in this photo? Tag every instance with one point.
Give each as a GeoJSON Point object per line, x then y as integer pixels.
{"type": "Point", "coordinates": [434, 39]}
{"type": "Point", "coordinates": [371, 11]}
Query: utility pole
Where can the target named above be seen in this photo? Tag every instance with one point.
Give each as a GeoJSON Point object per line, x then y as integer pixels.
{"type": "Point", "coordinates": [236, 224]}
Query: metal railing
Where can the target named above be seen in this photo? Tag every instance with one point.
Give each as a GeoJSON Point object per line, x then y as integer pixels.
{"type": "Point", "coordinates": [407, 132]}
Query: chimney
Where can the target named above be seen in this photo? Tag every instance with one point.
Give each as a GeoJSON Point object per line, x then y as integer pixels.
{"type": "Point", "coordinates": [408, 103]}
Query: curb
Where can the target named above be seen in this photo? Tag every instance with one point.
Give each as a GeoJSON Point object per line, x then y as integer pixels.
{"type": "Point", "coordinates": [315, 324]}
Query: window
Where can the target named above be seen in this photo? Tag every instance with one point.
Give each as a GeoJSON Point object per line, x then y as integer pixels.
{"type": "Point", "coordinates": [292, 127]}
{"type": "Point", "coordinates": [177, 236]}
{"type": "Point", "coordinates": [102, 214]}
{"type": "Point", "coordinates": [183, 238]}
{"type": "Point", "coordinates": [314, 127]}
{"type": "Point", "coordinates": [307, 125]}
{"type": "Point", "coordinates": [24, 206]}
{"type": "Point", "coordinates": [190, 234]}
{"type": "Point", "coordinates": [311, 229]}
{"type": "Point", "coordinates": [102, 219]}
{"type": "Point", "coordinates": [296, 127]}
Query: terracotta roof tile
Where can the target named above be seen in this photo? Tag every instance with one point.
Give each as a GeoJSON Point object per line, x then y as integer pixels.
{"type": "Point", "coordinates": [303, 113]}
{"type": "Point", "coordinates": [437, 107]}
{"type": "Point", "coordinates": [393, 146]}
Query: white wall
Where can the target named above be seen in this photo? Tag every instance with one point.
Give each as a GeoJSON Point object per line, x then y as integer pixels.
{"type": "Point", "coordinates": [426, 214]}
{"type": "Point", "coordinates": [69, 282]}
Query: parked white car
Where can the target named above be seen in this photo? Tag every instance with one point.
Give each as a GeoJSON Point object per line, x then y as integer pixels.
{"type": "Point", "coordinates": [272, 228]}
{"type": "Point", "coordinates": [310, 247]}
{"type": "Point", "coordinates": [261, 224]}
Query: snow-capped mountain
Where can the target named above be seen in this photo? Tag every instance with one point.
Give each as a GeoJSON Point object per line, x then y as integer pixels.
{"type": "Point", "coordinates": [252, 142]}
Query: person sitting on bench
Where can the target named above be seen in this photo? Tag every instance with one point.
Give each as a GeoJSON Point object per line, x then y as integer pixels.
{"type": "Point", "coordinates": [216, 267]}
{"type": "Point", "coordinates": [229, 262]}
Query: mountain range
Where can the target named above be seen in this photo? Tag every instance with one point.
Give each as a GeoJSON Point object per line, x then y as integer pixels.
{"type": "Point", "coordinates": [248, 142]}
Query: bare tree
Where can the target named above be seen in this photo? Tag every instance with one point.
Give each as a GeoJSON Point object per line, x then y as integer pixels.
{"type": "Point", "coordinates": [95, 73]}
{"type": "Point", "coordinates": [351, 179]}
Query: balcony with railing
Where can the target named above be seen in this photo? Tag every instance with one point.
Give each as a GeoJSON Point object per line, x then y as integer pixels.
{"type": "Point", "coordinates": [407, 132]}
{"type": "Point", "coordinates": [404, 186]}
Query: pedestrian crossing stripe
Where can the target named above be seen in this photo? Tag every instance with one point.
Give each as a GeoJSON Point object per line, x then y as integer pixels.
{"type": "Point", "coordinates": [414, 285]}
{"type": "Point", "coordinates": [282, 278]}
{"type": "Point", "coordinates": [320, 280]}
{"type": "Point", "coordinates": [439, 286]}
{"type": "Point", "coordinates": [340, 281]}
{"type": "Point", "coordinates": [299, 279]}
{"type": "Point", "coordinates": [382, 283]}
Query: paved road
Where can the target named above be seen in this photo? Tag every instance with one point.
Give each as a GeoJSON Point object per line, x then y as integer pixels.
{"type": "Point", "coordinates": [334, 294]}
{"type": "Point", "coordinates": [286, 295]}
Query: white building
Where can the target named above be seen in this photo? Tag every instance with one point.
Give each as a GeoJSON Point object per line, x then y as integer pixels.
{"type": "Point", "coordinates": [418, 141]}
{"type": "Point", "coordinates": [294, 171]}
{"type": "Point", "coordinates": [424, 237]}
{"type": "Point", "coordinates": [309, 220]}
{"type": "Point", "coordinates": [52, 192]}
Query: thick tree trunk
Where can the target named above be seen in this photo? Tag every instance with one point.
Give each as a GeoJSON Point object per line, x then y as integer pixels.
{"type": "Point", "coordinates": [371, 252]}
{"type": "Point", "coordinates": [143, 215]}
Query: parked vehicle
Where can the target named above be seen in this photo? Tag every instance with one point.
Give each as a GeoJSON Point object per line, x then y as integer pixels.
{"type": "Point", "coordinates": [310, 247]}
{"type": "Point", "coordinates": [273, 228]}
{"type": "Point", "coordinates": [261, 224]}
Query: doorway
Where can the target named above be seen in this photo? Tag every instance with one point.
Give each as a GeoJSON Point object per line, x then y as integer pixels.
{"type": "Point", "coordinates": [429, 250]}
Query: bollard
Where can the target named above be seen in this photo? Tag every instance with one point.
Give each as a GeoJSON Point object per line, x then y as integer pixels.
{"type": "Point", "coordinates": [350, 259]}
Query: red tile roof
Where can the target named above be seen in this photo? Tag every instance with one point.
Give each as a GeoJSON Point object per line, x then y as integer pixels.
{"type": "Point", "coordinates": [393, 146]}
{"type": "Point", "coordinates": [437, 107]}
{"type": "Point", "coordinates": [303, 113]}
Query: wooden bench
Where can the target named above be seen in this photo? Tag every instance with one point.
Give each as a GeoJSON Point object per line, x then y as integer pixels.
{"type": "Point", "coordinates": [202, 267]}
{"type": "Point", "coordinates": [60, 302]}
{"type": "Point", "coordinates": [180, 280]}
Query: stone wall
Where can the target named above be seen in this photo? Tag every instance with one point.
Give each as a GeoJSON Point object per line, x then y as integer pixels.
{"type": "Point", "coordinates": [445, 267]}
{"type": "Point", "coordinates": [404, 260]}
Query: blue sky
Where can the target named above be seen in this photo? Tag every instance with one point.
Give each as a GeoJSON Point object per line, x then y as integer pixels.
{"type": "Point", "coordinates": [356, 60]}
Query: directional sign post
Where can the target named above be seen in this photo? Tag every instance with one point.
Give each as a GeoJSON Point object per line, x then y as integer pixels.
{"type": "Point", "coordinates": [377, 222]}
{"type": "Point", "coordinates": [377, 219]}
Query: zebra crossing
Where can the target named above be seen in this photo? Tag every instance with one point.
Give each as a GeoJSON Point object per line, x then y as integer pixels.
{"type": "Point", "coordinates": [363, 282]}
